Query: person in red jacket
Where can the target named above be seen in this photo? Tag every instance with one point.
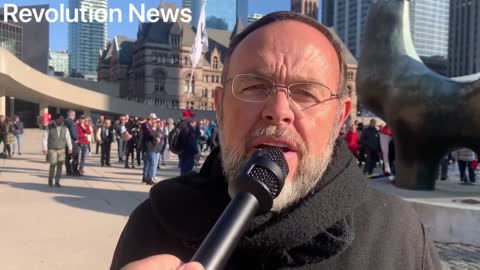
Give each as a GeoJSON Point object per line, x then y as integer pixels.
{"type": "Point", "coordinates": [83, 131]}
{"type": "Point", "coordinates": [352, 140]}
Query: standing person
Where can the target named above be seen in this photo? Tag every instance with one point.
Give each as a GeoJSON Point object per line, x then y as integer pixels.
{"type": "Point", "coordinates": [187, 142]}
{"type": "Point", "coordinates": [3, 133]}
{"type": "Point", "coordinates": [153, 145]}
{"type": "Point", "coordinates": [371, 142]}
{"type": "Point", "coordinates": [84, 131]}
{"type": "Point", "coordinates": [351, 138]}
{"type": "Point", "coordinates": [119, 129]}
{"type": "Point", "coordinates": [147, 140]}
{"type": "Point", "coordinates": [361, 148]}
{"type": "Point", "coordinates": [104, 138]}
{"type": "Point", "coordinates": [139, 145]}
{"type": "Point", "coordinates": [71, 161]}
{"type": "Point", "coordinates": [163, 127]}
{"type": "Point", "coordinates": [56, 138]}
{"type": "Point", "coordinates": [215, 138]}
{"type": "Point", "coordinates": [131, 128]}
{"type": "Point", "coordinates": [10, 140]}
{"type": "Point", "coordinates": [386, 137]}
{"type": "Point", "coordinates": [91, 136]}
{"type": "Point", "coordinates": [464, 158]}
{"type": "Point", "coordinates": [98, 124]}
{"type": "Point", "coordinates": [18, 135]}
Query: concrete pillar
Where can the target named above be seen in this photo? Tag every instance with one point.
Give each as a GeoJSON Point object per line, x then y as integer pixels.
{"type": "Point", "coordinates": [43, 108]}
{"type": "Point", "coordinates": [12, 107]}
{"type": "Point", "coordinates": [3, 105]}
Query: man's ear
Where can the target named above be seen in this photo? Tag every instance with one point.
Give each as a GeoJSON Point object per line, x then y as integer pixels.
{"type": "Point", "coordinates": [218, 101]}
{"type": "Point", "coordinates": [346, 108]}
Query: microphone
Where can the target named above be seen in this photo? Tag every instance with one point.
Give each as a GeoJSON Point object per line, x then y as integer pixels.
{"type": "Point", "coordinates": [260, 181]}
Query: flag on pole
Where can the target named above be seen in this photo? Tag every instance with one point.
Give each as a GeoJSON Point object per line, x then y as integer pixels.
{"type": "Point", "coordinates": [201, 42]}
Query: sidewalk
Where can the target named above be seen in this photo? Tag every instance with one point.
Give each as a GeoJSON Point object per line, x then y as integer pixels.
{"type": "Point", "coordinates": [73, 227]}
{"type": "Point", "coordinates": [76, 227]}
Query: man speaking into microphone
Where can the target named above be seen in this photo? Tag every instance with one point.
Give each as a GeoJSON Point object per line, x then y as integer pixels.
{"type": "Point", "coordinates": [284, 86]}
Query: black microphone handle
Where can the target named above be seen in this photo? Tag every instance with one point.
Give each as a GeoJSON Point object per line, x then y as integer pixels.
{"type": "Point", "coordinates": [223, 238]}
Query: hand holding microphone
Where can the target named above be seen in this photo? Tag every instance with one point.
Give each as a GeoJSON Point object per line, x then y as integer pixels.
{"type": "Point", "coordinates": [162, 262]}
{"type": "Point", "coordinates": [259, 182]}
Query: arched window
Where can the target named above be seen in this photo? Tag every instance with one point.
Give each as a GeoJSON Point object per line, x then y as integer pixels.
{"type": "Point", "coordinates": [350, 90]}
{"type": "Point", "coordinates": [159, 80]}
{"type": "Point", "coordinates": [215, 62]}
{"type": "Point", "coordinates": [187, 83]}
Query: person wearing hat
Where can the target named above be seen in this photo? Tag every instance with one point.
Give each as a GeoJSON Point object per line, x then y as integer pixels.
{"type": "Point", "coordinates": [56, 138]}
{"type": "Point", "coordinates": [149, 147]}
{"type": "Point", "coordinates": [187, 142]}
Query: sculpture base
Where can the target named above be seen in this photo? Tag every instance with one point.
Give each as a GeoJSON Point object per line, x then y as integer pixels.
{"type": "Point", "coordinates": [451, 213]}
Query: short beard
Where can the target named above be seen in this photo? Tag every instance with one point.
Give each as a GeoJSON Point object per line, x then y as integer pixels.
{"type": "Point", "coordinates": [309, 171]}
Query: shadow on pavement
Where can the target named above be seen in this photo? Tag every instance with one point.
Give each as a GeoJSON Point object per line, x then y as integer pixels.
{"type": "Point", "coordinates": [117, 202]}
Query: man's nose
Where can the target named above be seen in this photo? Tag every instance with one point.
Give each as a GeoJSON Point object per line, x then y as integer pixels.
{"type": "Point", "coordinates": [277, 109]}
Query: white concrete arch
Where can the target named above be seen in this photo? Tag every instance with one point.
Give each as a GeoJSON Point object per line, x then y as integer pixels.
{"type": "Point", "coordinates": [21, 81]}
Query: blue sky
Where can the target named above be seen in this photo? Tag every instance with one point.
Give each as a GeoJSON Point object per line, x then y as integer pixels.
{"type": "Point", "coordinates": [58, 31]}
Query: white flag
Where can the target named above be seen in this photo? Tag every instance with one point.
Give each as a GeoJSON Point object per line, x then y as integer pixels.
{"type": "Point", "coordinates": [201, 39]}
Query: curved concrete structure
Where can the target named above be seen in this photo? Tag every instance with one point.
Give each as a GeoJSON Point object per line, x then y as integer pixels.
{"type": "Point", "coordinates": [21, 81]}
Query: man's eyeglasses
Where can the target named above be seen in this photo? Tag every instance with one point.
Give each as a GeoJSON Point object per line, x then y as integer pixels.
{"type": "Point", "coordinates": [256, 88]}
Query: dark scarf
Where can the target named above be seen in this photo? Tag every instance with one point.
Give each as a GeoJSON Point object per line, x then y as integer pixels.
{"type": "Point", "coordinates": [315, 229]}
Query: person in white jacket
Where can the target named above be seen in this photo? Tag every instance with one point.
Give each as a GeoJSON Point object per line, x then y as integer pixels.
{"type": "Point", "coordinates": [464, 158]}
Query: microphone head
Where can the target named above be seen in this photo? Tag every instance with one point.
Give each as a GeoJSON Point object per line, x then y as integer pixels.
{"type": "Point", "coordinates": [266, 175]}
{"type": "Point", "coordinates": [263, 176]}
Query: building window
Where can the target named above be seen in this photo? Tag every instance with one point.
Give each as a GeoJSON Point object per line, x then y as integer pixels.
{"type": "Point", "coordinates": [350, 90]}
{"type": "Point", "coordinates": [215, 62]}
{"type": "Point", "coordinates": [217, 79]}
{"type": "Point", "coordinates": [187, 83]}
{"type": "Point", "coordinates": [185, 61]}
{"type": "Point", "coordinates": [159, 81]}
{"type": "Point", "coordinates": [213, 93]}
{"type": "Point", "coordinates": [175, 41]}
{"type": "Point", "coordinates": [156, 57]}
{"type": "Point", "coordinates": [213, 79]}
{"type": "Point", "coordinates": [350, 75]}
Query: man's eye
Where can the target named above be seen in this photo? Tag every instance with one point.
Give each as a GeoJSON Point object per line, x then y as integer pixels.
{"type": "Point", "coordinates": [256, 87]}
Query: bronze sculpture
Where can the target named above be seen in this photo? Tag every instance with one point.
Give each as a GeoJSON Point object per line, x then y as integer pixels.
{"type": "Point", "coordinates": [429, 114]}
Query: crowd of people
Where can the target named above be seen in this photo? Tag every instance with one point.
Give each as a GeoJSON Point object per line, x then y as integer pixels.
{"type": "Point", "coordinates": [374, 147]}
{"type": "Point", "coordinates": [11, 133]}
{"type": "Point", "coordinates": [139, 140]}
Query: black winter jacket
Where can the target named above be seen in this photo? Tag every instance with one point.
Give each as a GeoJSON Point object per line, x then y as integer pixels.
{"type": "Point", "coordinates": [345, 224]}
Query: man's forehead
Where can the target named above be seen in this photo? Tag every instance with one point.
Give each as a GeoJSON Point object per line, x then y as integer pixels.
{"type": "Point", "coordinates": [304, 50]}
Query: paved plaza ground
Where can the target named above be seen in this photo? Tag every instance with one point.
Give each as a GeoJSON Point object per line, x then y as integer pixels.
{"type": "Point", "coordinates": [77, 226]}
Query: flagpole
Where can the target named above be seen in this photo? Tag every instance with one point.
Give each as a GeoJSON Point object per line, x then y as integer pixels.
{"type": "Point", "coordinates": [197, 49]}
